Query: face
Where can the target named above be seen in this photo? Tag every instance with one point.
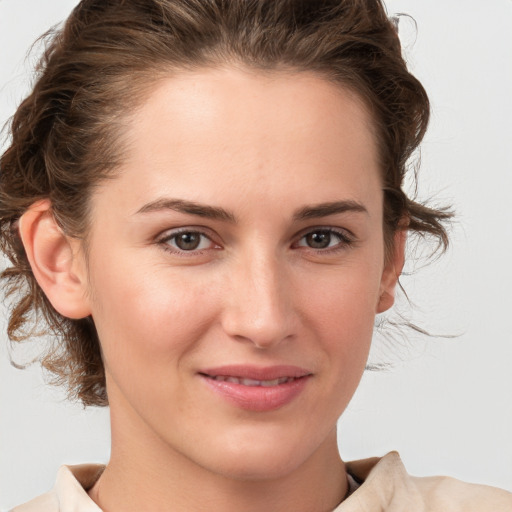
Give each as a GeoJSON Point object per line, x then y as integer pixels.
{"type": "Point", "coordinates": [235, 268]}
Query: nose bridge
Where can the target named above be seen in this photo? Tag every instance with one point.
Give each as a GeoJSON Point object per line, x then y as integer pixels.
{"type": "Point", "coordinates": [260, 308]}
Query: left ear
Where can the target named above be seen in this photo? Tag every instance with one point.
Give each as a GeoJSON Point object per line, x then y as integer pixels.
{"type": "Point", "coordinates": [392, 270]}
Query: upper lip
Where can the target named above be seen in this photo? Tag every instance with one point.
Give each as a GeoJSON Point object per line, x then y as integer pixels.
{"type": "Point", "coordinates": [256, 372]}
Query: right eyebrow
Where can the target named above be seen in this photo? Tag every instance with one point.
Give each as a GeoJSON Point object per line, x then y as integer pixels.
{"type": "Point", "coordinates": [189, 207]}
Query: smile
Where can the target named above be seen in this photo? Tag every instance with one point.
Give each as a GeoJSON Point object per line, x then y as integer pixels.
{"type": "Point", "coordinates": [252, 382]}
{"type": "Point", "coordinates": [256, 389]}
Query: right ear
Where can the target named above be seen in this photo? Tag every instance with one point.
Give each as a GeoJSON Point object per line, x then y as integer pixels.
{"type": "Point", "coordinates": [55, 261]}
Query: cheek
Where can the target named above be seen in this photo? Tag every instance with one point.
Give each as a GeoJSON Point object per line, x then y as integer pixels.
{"type": "Point", "coordinates": [148, 319]}
{"type": "Point", "coordinates": [340, 310]}
{"type": "Point", "coordinates": [345, 298]}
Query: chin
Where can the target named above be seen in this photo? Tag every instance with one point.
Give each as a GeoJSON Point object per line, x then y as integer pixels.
{"type": "Point", "coordinates": [263, 457]}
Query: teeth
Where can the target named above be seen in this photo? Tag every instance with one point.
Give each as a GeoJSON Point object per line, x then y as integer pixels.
{"type": "Point", "coordinates": [269, 383]}
{"type": "Point", "coordinates": [253, 382]}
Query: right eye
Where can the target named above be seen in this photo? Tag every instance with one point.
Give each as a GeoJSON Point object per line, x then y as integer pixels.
{"type": "Point", "coordinates": [187, 241]}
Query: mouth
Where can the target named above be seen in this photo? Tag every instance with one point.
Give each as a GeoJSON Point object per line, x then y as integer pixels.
{"type": "Point", "coordinates": [252, 382]}
{"type": "Point", "coordinates": [248, 375]}
{"type": "Point", "coordinates": [257, 389]}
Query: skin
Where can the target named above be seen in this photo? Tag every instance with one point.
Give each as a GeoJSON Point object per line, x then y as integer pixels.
{"type": "Point", "coordinates": [262, 148]}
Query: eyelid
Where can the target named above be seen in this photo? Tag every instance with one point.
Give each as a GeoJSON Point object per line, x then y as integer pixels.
{"type": "Point", "coordinates": [348, 238]}
{"type": "Point", "coordinates": [169, 234]}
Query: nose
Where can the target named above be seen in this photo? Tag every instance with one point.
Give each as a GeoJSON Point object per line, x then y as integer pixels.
{"type": "Point", "coordinates": [259, 307]}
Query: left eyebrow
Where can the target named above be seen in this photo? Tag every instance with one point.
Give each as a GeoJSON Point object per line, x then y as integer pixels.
{"type": "Point", "coordinates": [326, 209]}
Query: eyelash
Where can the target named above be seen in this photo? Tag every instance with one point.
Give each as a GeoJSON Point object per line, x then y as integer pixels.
{"type": "Point", "coordinates": [346, 240]}
{"type": "Point", "coordinates": [164, 242]}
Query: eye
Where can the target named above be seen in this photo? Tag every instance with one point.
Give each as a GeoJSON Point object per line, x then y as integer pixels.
{"type": "Point", "coordinates": [187, 241]}
{"type": "Point", "coordinates": [324, 239]}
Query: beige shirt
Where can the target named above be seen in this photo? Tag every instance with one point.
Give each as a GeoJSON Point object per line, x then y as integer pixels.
{"type": "Point", "coordinates": [386, 488]}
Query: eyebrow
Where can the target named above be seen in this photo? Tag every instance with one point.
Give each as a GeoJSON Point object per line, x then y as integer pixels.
{"type": "Point", "coordinates": [217, 213]}
{"type": "Point", "coordinates": [326, 209]}
{"type": "Point", "coordinates": [190, 207]}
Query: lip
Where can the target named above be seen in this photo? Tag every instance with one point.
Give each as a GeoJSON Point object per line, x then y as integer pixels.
{"type": "Point", "coordinates": [255, 397]}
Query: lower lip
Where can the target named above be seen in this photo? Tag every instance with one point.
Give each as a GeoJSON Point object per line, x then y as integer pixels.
{"type": "Point", "coordinates": [258, 398]}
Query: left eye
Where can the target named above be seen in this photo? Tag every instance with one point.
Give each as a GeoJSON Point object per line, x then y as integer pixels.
{"type": "Point", "coordinates": [323, 239]}
{"type": "Point", "coordinates": [188, 241]}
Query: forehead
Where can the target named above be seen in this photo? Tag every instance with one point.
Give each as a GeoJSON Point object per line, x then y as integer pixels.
{"type": "Point", "coordinates": [268, 134]}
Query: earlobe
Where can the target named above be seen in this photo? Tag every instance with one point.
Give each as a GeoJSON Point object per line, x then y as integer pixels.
{"type": "Point", "coordinates": [53, 261]}
{"type": "Point", "coordinates": [392, 272]}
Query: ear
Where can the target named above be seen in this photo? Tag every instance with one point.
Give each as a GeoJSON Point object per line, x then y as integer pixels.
{"type": "Point", "coordinates": [55, 261]}
{"type": "Point", "coordinates": [392, 271]}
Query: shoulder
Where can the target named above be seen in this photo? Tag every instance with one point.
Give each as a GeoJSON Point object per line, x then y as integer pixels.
{"type": "Point", "coordinates": [387, 486]}
{"type": "Point", "coordinates": [69, 492]}
{"type": "Point", "coordinates": [449, 494]}
{"type": "Point", "coordinates": [45, 503]}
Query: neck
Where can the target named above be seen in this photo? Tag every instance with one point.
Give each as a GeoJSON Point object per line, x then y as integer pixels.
{"type": "Point", "coordinates": [145, 473]}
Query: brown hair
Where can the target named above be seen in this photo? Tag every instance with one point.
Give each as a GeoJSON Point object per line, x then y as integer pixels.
{"type": "Point", "coordinates": [67, 134]}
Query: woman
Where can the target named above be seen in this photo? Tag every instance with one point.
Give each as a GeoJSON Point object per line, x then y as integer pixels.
{"type": "Point", "coordinates": [242, 163]}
